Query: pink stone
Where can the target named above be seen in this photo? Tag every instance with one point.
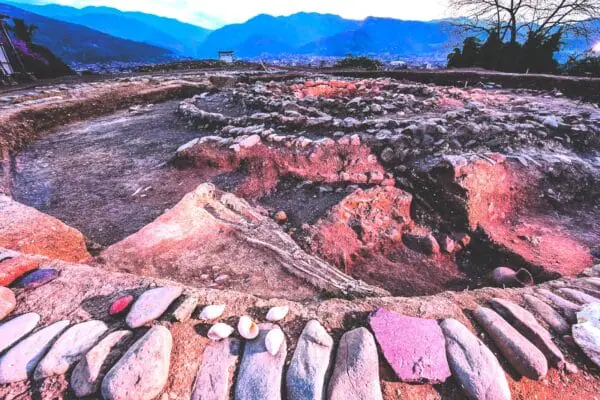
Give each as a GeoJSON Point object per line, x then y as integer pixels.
{"type": "Point", "coordinates": [120, 305]}
{"type": "Point", "coordinates": [415, 348]}
{"type": "Point", "coordinates": [7, 302]}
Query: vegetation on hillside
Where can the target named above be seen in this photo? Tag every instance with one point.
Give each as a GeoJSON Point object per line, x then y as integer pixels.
{"type": "Point", "coordinates": [362, 62]}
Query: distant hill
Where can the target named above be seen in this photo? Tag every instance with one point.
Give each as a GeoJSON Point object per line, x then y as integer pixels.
{"type": "Point", "coordinates": [76, 43]}
{"type": "Point", "coordinates": [179, 37]}
{"type": "Point", "coordinates": [265, 34]}
{"type": "Point", "coordinates": [386, 36]}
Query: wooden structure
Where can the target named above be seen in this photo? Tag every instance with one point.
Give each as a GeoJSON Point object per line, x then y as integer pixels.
{"type": "Point", "coordinates": [10, 62]}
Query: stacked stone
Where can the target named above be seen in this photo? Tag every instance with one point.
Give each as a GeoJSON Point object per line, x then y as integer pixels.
{"type": "Point", "coordinates": [418, 350]}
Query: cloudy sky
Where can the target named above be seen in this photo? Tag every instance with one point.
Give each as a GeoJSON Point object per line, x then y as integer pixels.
{"type": "Point", "coordinates": [219, 12]}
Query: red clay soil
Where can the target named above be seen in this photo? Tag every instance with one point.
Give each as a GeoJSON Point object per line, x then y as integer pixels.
{"type": "Point", "coordinates": [363, 236]}
{"type": "Point", "coordinates": [264, 166]}
{"type": "Point", "coordinates": [29, 231]}
{"type": "Point", "coordinates": [500, 201]}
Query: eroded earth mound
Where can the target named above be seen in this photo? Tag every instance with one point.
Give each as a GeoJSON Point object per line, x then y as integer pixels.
{"type": "Point", "coordinates": [248, 235]}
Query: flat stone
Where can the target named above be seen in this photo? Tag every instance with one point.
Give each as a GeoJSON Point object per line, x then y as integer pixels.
{"type": "Point", "coordinates": [8, 302]}
{"type": "Point", "coordinates": [20, 361]}
{"type": "Point", "coordinates": [151, 305]}
{"type": "Point", "coordinates": [473, 365]}
{"type": "Point", "coordinates": [142, 372]}
{"type": "Point", "coordinates": [586, 332]}
{"type": "Point", "coordinates": [70, 347]}
{"type": "Point", "coordinates": [356, 371]}
{"type": "Point", "coordinates": [89, 371]}
{"type": "Point", "coordinates": [259, 376]}
{"type": "Point", "coordinates": [419, 354]}
{"type": "Point", "coordinates": [14, 268]}
{"type": "Point", "coordinates": [577, 296]}
{"type": "Point", "coordinates": [37, 278]}
{"type": "Point", "coordinates": [184, 311]}
{"type": "Point", "coordinates": [548, 314]}
{"type": "Point", "coordinates": [308, 369]}
{"type": "Point", "coordinates": [12, 331]}
{"type": "Point", "coordinates": [527, 359]}
{"type": "Point", "coordinates": [120, 305]}
{"type": "Point", "coordinates": [528, 326]}
{"type": "Point", "coordinates": [566, 307]}
{"type": "Point", "coordinates": [217, 370]}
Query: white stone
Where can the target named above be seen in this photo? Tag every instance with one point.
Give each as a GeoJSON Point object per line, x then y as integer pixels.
{"type": "Point", "coordinates": [20, 361]}
{"type": "Point", "coordinates": [70, 347]}
{"type": "Point", "coordinates": [151, 305]}
{"type": "Point", "coordinates": [12, 331]}
{"type": "Point", "coordinates": [142, 372]}
{"type": "Point", "coordinates": [587, 332]}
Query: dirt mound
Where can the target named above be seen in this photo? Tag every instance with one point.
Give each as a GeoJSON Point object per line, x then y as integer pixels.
{"type": "Point", "coordinates": [215, 239]}
{"type": "Point", "coordinates": [29, 231]}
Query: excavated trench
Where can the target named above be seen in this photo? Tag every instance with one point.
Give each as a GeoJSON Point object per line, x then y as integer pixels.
{"type": "Point", "coordinates": [378, 199]}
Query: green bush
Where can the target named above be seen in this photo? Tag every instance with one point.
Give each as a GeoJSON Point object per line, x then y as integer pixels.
{"type": "Point", "coordinates": [359, 62]}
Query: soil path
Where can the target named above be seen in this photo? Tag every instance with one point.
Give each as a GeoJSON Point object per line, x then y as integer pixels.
{"type": "Point", "coordinates": [87, 173]}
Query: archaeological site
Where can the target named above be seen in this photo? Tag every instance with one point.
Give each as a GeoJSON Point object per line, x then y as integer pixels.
{"type": "Point", "coordinates": [255, 234]}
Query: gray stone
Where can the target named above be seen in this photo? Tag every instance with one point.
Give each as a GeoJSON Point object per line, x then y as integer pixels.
{"type": "Point", "coordinates": [219, 361]}
{"type": "Point", "coordinates": [151, 305]}
{"type": "Point", "coordinates": [259, 376]}
{"type": "Point", "coordinates": [586, 332]}
{"type": "Point", "coordinates": [20, 361]}
{"type": "Point", "coordinates": [308, 369]}
{"type": "Point", "coordinates": [142, 372]}
{"type": "Point", "coordinates": [528, 326]}
{"type": "Point", "coordinates": [13, 330]}
{"type": "Point", "coordinates": [473, 365]}
{"type": "Point", "coordinates": [184, 311]}
{"type": "Point", "coordinates": [527, 359]}
{"type": "Point", "coordinates": [356, 372]}
{"type": "Point", "coordinates": [566, 307]}
{"type": "Point", "coordinates": [70, 347]}
{"type": "Point", "coordinates": [89, 371]}
{"type": "Point", "coordinates": [577, 296]}
{"type": "Point", "coordinates": [548, 314]}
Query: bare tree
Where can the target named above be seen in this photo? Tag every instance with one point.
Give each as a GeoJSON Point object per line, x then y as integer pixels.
{"type": "Point", "coordinates": [541, 18]}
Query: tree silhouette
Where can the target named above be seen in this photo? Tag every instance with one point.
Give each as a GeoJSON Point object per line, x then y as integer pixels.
{"type": "Point", "coordinates": [23, 31]}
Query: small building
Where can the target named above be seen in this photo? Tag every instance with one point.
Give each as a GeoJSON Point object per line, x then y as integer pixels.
{"type": "Point", "coordinates": [10, 62]}
{"type": "Point", "coordinates": [226, 56]}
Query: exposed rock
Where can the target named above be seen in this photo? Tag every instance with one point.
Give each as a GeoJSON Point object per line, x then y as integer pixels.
{"type": "Point", "coordinates": [13, 330]}
{"type": "Point", "coordinates": [548, 314]}
{"type": "Point", "coordinates": [528, 326]}
{"type": "Point", "coordinates": [586, 332]}
{"type": "Point", "coordinates": [70, 347]}
{"type": "Point", "coordinates": [14, 268]}
{"type": "Point", "coordinates": [151, 305]}
{"type": "Point", "coordinates": [356, 371]}
{"type": "Point", "coordinates": [8, 302]}
{"type": "Point", "coordinates": [424, 244]}
{"type": "Point", "coordinates": [577, 296]}
{"type": "Point", "coordinates": [89, 371]}
{"type": "Point", "coordinates": [568, 309]}
{"type": "Point", "coordinates": [184, 311]}
{"type": "Point", "coordinates": [20, 361]}
{"type": "Point", "coordinates": [527, 359]}
{"type": "Point", "coordinates": [143, 370]}
{"type": "Point", "coordinates": [216, 372]}
{"type": "Point", "coordinates": [493, 197]}
{"type": "Point", "coordinates": [37, 278]}
{"type": "Point", "coordinates": [473, 365]}
{"type": "Point", "coordinates": [29, 231]}
{"type": "Point", "coordinates": [419, 354]}
{"type": "Point", "coordinates": [308, 369]}
{"type": "Point", "coordinates": [260, 373]}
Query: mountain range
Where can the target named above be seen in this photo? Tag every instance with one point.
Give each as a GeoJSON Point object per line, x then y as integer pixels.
{"type": "Point", "coordinates": [94, 34]}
